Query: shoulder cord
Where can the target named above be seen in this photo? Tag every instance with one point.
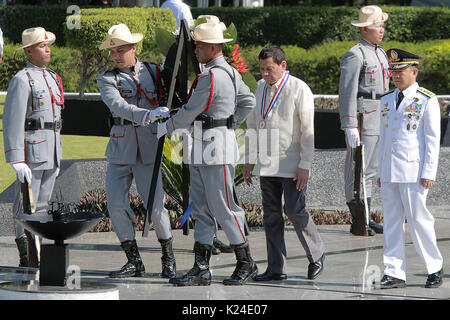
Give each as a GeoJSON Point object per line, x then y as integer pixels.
{"type": "Point", "coordinates": [156, 81]}
{"type": "Point", "coordinates": [211, 90]}
{"type": "Point", "coordinates": [34, 102]}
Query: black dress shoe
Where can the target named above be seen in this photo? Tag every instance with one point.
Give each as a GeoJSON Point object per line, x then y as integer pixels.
{"type": "Point", "coordinates": [388, 282]}
{"type": "Point", "coordinates": [434, 280]}
{"type": "Point", "coordinates": [269, 275]}
{"type": "Point", "coordinates": [315, 268]}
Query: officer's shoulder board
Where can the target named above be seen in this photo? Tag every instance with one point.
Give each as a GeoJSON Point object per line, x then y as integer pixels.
{"type": "Point", "coordinates": [426, 92]}
{"type": "Point", "coordinates": [389, 92]}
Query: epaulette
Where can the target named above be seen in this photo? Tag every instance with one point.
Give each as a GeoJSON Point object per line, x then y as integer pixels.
{"type": "Point", "coordinates": [387, 93]}
{"type": "Point", "coordinates": [426, 92]}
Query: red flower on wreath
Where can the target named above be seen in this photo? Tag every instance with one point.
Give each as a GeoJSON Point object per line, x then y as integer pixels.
{"type": "Point", "coordinates": [237, 61]}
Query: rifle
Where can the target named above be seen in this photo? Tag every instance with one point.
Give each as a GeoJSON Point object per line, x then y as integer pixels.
{"type": "Point", "coordinates": [360, 224]}
{"type": "Point", "coordinates": [28, 207]}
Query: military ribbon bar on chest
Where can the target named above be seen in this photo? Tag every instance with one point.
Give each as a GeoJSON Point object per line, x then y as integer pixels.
{"type": "Point", "coordinates": [413, 113]}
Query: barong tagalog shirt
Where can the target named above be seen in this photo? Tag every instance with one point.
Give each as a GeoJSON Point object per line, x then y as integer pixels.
{"type": "Point", "coordinates": [284, 124]}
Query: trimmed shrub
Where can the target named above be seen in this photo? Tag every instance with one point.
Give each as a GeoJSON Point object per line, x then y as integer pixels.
{"type": "Point", "coordinates": [95, 24]}
{"type": "Point", "coordinates": [17, 18]}
{"type": "Point", "coordinates": [304, 26]}
{"type": "Point", "coordinates": [65, 62]}
{"type": "Point", "coordinates": [319, 66]}
{"type": "Point", "coordinates": [307, 26]}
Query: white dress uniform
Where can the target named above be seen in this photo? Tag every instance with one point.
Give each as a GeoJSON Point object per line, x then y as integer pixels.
{"type": "Point", "coordinates": [409, 151]}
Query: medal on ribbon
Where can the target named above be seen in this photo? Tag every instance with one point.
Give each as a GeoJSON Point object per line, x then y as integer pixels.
{"type": "Point", "coordinates": [264, 111]}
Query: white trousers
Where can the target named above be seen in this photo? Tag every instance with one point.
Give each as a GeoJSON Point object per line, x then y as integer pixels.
{"type": "Point", "coordinates": [400, 201]}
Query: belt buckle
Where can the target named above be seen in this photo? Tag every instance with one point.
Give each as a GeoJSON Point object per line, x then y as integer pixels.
{"type": "Point", "coordinates": [58, 125]}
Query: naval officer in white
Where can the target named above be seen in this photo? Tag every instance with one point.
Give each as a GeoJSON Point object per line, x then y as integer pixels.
{"type": "Point", "coordinates": [408, 160]}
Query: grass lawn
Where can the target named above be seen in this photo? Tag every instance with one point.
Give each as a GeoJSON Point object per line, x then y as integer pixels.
{"type": "Point", "coordinates": [74, 147]}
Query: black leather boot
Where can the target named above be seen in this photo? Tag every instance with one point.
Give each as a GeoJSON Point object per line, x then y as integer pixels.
{"type": "Point", "coordinates": [221, 246]}
{"type": "Point", "coordinates": [169, 266]}
{"type": "Point", "coordinates": [134, 267]}
{"type": "Point", "coordinates": [199, 275]}
{"type": "Point", "coordinates": [245, 267]}
{"type": "Point", "coordinates": [377, 228]}
{"type": "Point", "coordinates": [22, 246]}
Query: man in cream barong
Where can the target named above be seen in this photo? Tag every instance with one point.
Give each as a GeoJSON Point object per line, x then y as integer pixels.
{"type": "Point", "coordinates": [284, 109]}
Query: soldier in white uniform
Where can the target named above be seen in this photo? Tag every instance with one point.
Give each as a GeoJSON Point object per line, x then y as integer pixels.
{"type": "Point", "coordinates": [220, 102]}
{"type": "Point", "coordinates": [31, 127]}
{"type": "Point", "coordinates": [408, 157]}
{"type": "Point", "coordinates": [132, 92]}
{"type": "Point", "coordinates": [364, 78]}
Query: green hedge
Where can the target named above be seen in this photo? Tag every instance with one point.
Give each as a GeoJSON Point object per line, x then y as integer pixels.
{"type": "Point", "coordinates": [303, 26]}
{"type": "Point", "coordinates": [64, 61]}
{"type": "Point", "coordinates": [95, 24]}
{"type": "Point", "coordinates": [309, 26]}
{"type": "Point", "coordinates": [319, 66]}
{"type": "Point", "coordinates": [15, 19]}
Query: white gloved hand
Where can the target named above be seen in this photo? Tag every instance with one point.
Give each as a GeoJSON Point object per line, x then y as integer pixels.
{"type": "Point", "coordinates": [23, 171]}
{"type": "Point", "coordinates": [159, 113]}
{"type": "Point", "coordinates": [352, 135]}
{"type": "Point", "coordinates": [162, 130]}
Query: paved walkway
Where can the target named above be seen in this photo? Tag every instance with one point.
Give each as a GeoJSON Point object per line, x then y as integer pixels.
{"type": "Point", "coordinates": [350, 266]}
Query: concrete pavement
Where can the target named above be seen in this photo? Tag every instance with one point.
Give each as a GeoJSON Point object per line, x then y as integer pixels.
{"type": "Point", "coordinates": [352, 264]}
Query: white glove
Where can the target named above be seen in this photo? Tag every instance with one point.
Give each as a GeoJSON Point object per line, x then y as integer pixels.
{"type": "Point", "coordinates": [23, 171]}
{"type": "Point", "coordinates": [159, 113]}
{"type": "Point", "coordinates": [352, 135]}
{"type": "Point", "coordinates": [162, 130]}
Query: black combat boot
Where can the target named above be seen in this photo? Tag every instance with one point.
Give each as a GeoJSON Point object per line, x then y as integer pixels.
{"type": "Point", "coordinates": [22, 246]}
{"type": "Point", "coordinates": [377, 228]}
{"type": "Point", "coordinates": [169, 266]}
{"type": "Point", "coordinates": [245, 266]}
{"type": "Point", "coordinates": [199, 275]}
{"type": "Point", "coordinates": [222, 247]}
{"type": "Point", "coordinates": [134, 267]}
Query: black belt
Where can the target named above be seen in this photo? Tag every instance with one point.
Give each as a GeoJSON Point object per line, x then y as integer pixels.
{"type": "Point", "coordinates": [209, 122]}
{"type": "Point", "coordinates": [35, 124]}
{"type": "Point", "coordinates": [369, 96]}
{"type": "Point", "coordinates": [121, 122]}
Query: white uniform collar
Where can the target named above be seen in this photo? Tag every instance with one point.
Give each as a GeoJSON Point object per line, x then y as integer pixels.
{"type": "Point", "coordinates": [411, 90]}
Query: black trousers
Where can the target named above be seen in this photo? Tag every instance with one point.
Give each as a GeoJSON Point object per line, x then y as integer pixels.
{"type": "Point", "coordinates": [273, 189]}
